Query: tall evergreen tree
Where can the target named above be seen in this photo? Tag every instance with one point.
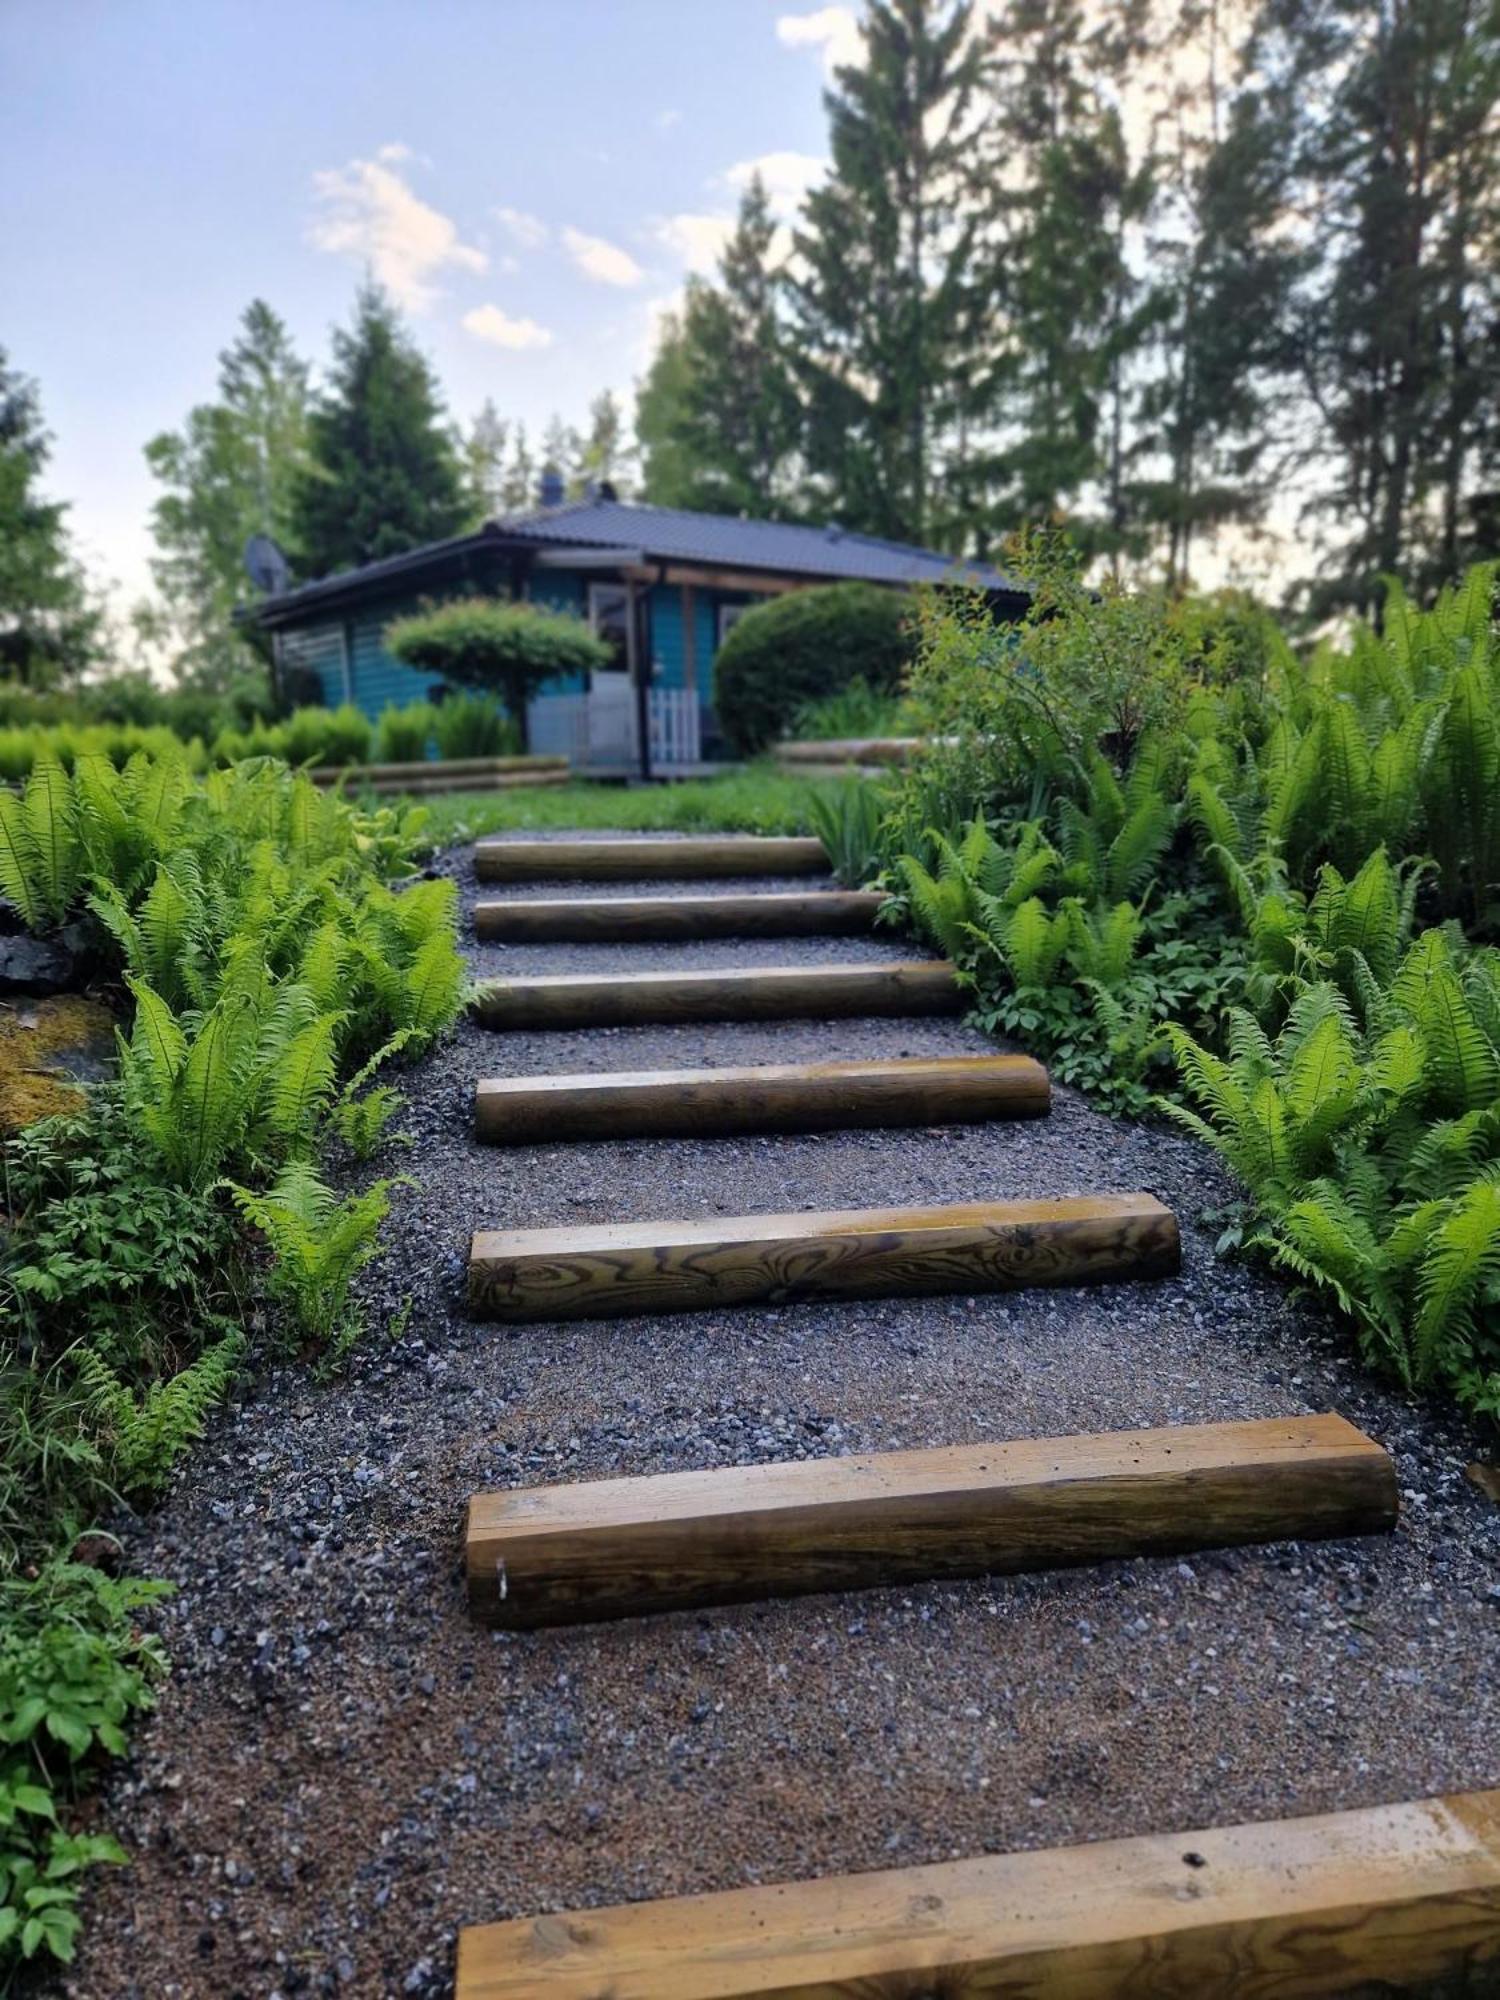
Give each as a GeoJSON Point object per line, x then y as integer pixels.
{"type": "Point", "coordinates": [48, 628]}
{"type": "Point", "coordinates": [385, 476]}
{"type": "Point", "coordinates": [229, 473]}
{"type": "Point", "coordinates": [485, 451]}
{"type": "Point", "coordinates": [606, 454]}
{"type": "Point", "coordinates": [670, 472]}
{"type": "Point", "coordinates": [1222, 274]}
{"type": "Point", "coordinates": [722, 401]}
{"type": "Point", "coordinates": [883, 294]}
{"type": "Point", "coordinates": [1393, 140]}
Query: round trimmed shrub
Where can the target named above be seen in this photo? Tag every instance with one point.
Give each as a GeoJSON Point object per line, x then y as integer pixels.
{"type": "Point", "coordinates": [802, 647]}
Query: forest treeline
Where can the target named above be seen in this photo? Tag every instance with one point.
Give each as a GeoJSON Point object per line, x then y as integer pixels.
{"type": "Point", "coordinates": [1163, 269]}
{"type": "Point", "coordinates": [1176, 274]}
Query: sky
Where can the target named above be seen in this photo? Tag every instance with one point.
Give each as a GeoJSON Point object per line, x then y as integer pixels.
{"type": "Point", "coordinates": [532, 180]}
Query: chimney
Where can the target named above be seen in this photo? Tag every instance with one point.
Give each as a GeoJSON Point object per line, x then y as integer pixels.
{"type": "Point", "coordinates": [550, 489]}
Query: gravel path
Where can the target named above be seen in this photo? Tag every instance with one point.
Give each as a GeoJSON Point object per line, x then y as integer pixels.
{"type": "Point", "coordinates": [344, 1769]}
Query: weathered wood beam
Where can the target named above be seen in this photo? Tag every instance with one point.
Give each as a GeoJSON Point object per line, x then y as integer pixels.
{"type": "Point", "coordinates": [760, 993]}
{"type": "Point", "coordinates": [1283, 1909]}
{"type": "Point", "coordinates": [632, 919]}
{"type": "Point", "coordinates": [771, 1097]}
{"type": "Point", "coordinates": [632, 860]}
{"type": "Point", "coordinates": [615, 1548]}
{"type": "Point", "coordinates": [614, 1269]}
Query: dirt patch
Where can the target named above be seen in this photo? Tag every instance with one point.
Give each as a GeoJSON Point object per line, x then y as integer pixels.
{"type": "Point", "coordinates": [48, 1048]}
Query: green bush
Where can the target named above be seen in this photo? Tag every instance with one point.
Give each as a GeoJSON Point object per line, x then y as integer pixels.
{"type": "Point", "coordinates": [474, 726]}
{"type": "Point", "coordinates": [324, 736]}
{"type": "Point", "coordinates": [855, 711]}
{"type": "Point", "coordinates": [403, 734]}
{"type": "Point", "coordinates": [803, 647]}
{"type": "Point", "coordinates": [507, 648]}
{"type": "Point", "coordinates": [273, 968]}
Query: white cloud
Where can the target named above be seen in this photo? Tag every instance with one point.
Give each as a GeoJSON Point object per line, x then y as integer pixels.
{"type": "Point", "coordinates": [605, 263]}
{"type": "Point", "coordinates": [787, 177]}
{"type": "Point", "coordinates": [696, 239]}
{"type": "Point", "coordinates": [665, 120]}
{"type": "Point", "coordinates": [489, 323]}
{"type": "Point", "coordinates": [394, 153]}
{"type": "Point", "coordinates": [369, 213]}
{"type": "Point", "coordinates": [527, 230]}
{"type": "Point", "coordinates": [834, 30]}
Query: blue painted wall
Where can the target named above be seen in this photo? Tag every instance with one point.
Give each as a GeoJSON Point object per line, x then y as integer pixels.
{"type": "Point", "coordinates": [379, 681]}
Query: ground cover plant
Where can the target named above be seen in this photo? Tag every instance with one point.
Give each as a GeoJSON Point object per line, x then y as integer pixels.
{"type": "Point", "coordinates": [1192, 867]}
{"type": "Point", "coordinates": [268, 969]}
{"type": "Point", "coordinates": [759, 799]}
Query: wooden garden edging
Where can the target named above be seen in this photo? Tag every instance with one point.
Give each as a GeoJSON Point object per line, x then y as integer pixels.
{"type": "Point", "coordinates": [1298, 1908]}
{"type": "Point", "coordinates": [455, 774]}
{"type": "Point", "coordinates": [631, 859]}
{"type": "Point", "coordinates": [640, 919]}
{"type": "Point", "coordinates": [759, 993]}
{"type": "Point", "coordinates": [771, 1097]}
{"type": "Point", "coordinates": [613, 1269]}
{"type": "Point", "coordinates": [614, 1548]}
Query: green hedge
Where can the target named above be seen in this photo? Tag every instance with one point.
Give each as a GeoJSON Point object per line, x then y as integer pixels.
{"type": "Point", "coordinates": [803, 647]}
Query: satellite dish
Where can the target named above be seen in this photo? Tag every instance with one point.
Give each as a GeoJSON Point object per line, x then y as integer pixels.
{"type": "Point", "coordinates": [268, 568]}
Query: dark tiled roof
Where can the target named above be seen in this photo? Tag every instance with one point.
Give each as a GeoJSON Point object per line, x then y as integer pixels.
{"type": "Point", "coordinates": [675, 535]}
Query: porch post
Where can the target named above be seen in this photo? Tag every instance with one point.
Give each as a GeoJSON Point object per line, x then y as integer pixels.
{"type": "Point", "coordinates": [638, 660]}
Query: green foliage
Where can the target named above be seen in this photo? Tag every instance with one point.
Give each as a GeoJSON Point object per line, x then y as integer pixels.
{"type": "Point", "coordinates": [796, 649]}
{"type": "Point", "coordinates": [402, 735]}
{"type": "Point", "coordinates": [74, 1667]}
{"type": "Point", "coordinates": [509, 648]}
{"type": "Point", "coordinates": [48, 628]}
{"type": "Point", "coordinates": [847, 819]}
{"type": "Point", "coordinates": [383, 475]}
{"type": "Point", "coordinates": [854, 711]}
{"type": "Point", "coordinates": [760, 799]}
{"type": "Point", "coordinates": [319, 1243]}
{"type": "Point", "coordinates": [473, 726]}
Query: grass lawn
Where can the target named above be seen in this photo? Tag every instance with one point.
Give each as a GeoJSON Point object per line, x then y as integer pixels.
{"type": "Point", "coordinates": [760, 799]}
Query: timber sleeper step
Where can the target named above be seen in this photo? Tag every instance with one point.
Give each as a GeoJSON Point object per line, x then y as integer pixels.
{"type": "Point", "coordinates": [642, 919]}
{"type": "Point", "coordinates": [615, 1269]}
{"type": "Point", "coordinates": [773, 1097]}
{"type": "Point", "coordinates": [553, 1555]}
{"type": "Point", "coordinates": [760, 993]}
{"type": "Point", "coordinates": [673, 859]}
{"type": "Point", "coordinates": [1397, 1894]}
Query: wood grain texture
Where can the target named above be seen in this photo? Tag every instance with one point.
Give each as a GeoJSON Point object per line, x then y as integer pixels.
{"type": "Point", "coordinates": [760, 993]}
{"type": "Point", "coordinates": [631, 860]}
{"type": "Point", "coordinates": [654, 1267]}
{"type": "Point", "coordinates": [1285, 1909]}
{"type": "Point", "coordinates": [626, 919]}
{"type": "Point", "coordinates": [885, 750]}
{"type": "Point", "coordinates": [615, 1548]}
{"type": "Point", "coordinates": [773, 1097]}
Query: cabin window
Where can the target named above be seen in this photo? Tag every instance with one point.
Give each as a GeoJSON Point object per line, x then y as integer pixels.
{"type": "Point", "coordinates": [609, 616]}
{"type": "Point", "coordinates": [729, 616]}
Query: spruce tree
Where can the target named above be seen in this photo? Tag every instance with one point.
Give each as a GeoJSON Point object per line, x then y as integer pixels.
{"type": "Point", "coordinates": [884, 295]}
{"type": "Point", "coordinates": [670, 470]}
{"type": "Point", "coordinates": [229, 473]}
{"type": "Point", "coordinates": [385, 476]}
{"type": "Point", "coordinates": [48, 628]}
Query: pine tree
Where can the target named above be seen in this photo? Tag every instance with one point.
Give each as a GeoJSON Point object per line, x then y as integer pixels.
{"type": "Point", "coordinates": [721, 398]}
{"type": "Point", "coordinates": [670, 472]}
{"type": "Point", "coordinates": [484, 455]}
{"type": "Point", "coordinates": [48, 628]}
{"type": "Point", "coordinates": [605, 455]}
{"type": "Point", "coordinates": [229, 473]}
{"type": "Point", "coordinates": [883, 299]}
{"type": "Point", "coordinates": [385, 476]}
{"type": "Point", "coordinates": [1222, 279]}
{"type": "Point", "coordinates": [1392, 139]}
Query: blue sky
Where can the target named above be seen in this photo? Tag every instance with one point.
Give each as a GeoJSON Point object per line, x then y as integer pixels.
{"type": "Point", "coordinates": [533, 178]}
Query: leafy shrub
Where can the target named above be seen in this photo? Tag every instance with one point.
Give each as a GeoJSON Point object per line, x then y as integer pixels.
{"type": "Point", "coordinates": [403, 734]}
{"type": "Point", "coordinates": [324, 736]}
{"type": "Point", "coordinates": [847, 819]}
{"type": "Point", "coordinates": [855, 711]}
{"type": "Point", "coordinates": [510, 649]}
{"type": "Point", "coordinates": [473, 726]}
{"type": "Point", "coordinates": [802, 647]}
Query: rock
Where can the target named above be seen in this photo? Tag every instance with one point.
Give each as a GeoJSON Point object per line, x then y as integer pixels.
{"type": "Point", "coordinates": [36, 965]}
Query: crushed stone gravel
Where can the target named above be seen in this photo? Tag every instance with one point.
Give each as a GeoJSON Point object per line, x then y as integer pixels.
{"type": "Point", "coordinates": [344, 1770]}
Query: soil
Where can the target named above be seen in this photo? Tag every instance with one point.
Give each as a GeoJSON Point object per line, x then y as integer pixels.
{"type": "Point", "coordinates": [344, 1769]}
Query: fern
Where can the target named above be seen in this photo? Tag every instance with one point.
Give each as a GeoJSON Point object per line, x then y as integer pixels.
{"type": "Point", "coordinates": [145, 1435]}
{"type": "Point", "coordinates": [319, 1243]}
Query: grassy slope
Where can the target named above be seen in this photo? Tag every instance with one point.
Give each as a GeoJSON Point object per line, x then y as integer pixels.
{"type": "Point", "coordinates": [758, 800]}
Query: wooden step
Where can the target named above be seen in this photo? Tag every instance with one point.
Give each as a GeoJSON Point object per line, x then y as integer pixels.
{"type": "Point", "coordinates": [615, 1269]}
{"type": "Point", "coordinates": [773, 1097]}
{"type": "Point", "coordinates": [551, 1555]}
{"type": "Point", "coordinates": [1276, 1910]}
{"type": "Point", "coordinates": [762, 993]}
{"type": "Point", "coordinates": [631, 860]}
{"type": "Point", "coordinates": [633, 919]}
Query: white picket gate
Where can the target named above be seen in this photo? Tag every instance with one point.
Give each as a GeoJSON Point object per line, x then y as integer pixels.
{"type": "Point", "coordinates": [597, 731]}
